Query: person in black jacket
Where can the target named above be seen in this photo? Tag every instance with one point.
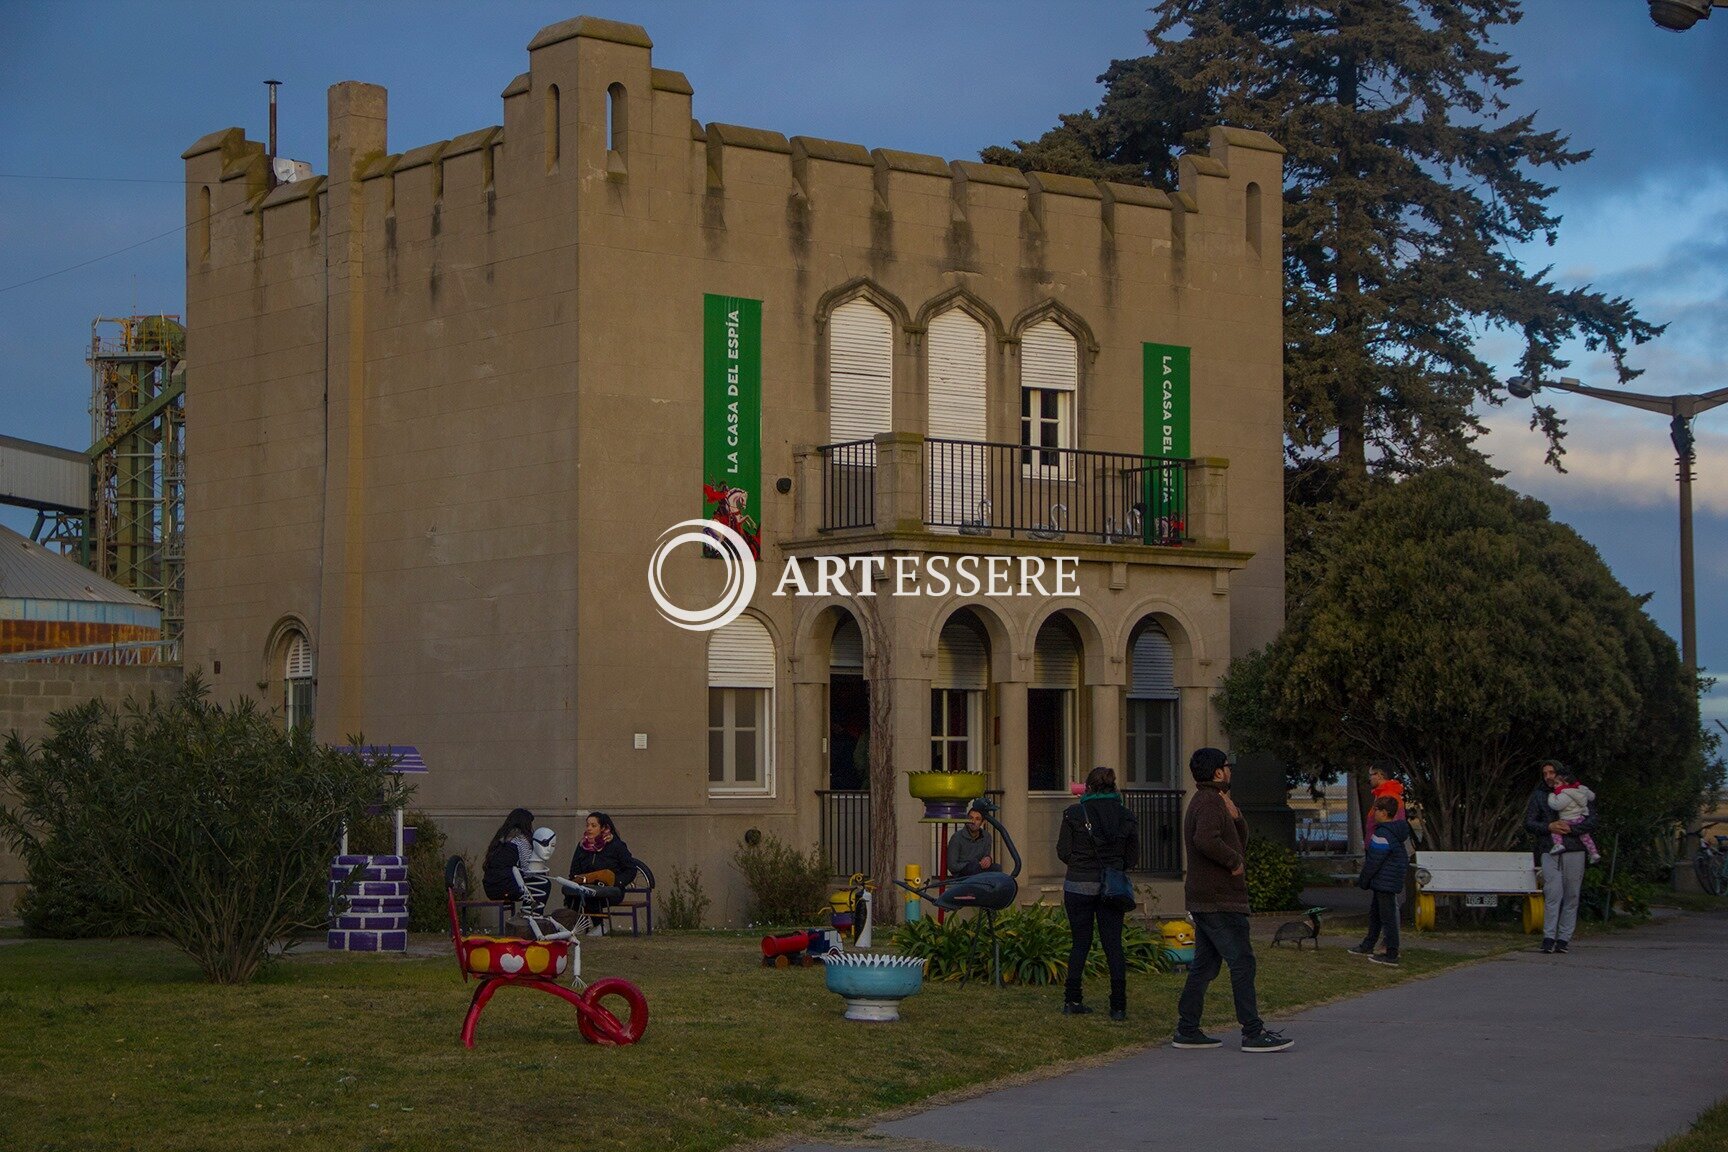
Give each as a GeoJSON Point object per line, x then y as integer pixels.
{"type": "Point", "coordinates": [1386, 861]}
{"type": "Point", "coordinates": [510, 848]}
{"type": "Point", "coordinates": [1562, 873]}
{"type": "Point", "coordinates": [1097, 833]}
{"type": "Point", "coordinates": [602, 860]}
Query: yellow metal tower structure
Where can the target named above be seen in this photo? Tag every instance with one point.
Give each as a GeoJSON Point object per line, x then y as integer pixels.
{"type": "Point", "coordinates": [133, 534]}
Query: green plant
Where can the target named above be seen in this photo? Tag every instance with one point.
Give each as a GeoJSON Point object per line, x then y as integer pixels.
{"type": "Point", "coordinates": [375, 835]}
{"type": "Point", "coordinates": [786, 886]}
{"type": "Point", "coordinates": [1034, 943]}
{"type": "Point", "coordinates": [215, 826]}
{"type": "Point", "coordinates": [1274, 877]}
{"type": "Point", "coordinates": [683, 902]}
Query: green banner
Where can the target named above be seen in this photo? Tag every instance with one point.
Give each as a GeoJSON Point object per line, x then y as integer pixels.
{"type": "Point", "coordinates": [732, 414]}
{"type": "Point", "coordinates": [1166, 412]}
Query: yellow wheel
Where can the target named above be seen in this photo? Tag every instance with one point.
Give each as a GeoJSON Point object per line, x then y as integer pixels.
{"type": "Point", "coordinates": [1424, 910]}
{"type": "Point", "coordinates": [1534, 910]}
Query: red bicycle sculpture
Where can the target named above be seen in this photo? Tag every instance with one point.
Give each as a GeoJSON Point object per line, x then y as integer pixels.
{"type": "Point", "coordinates": [500, 961]}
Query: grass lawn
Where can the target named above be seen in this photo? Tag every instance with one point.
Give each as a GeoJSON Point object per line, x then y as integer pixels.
{"type": "Point", "coordinates": [117, 1045]}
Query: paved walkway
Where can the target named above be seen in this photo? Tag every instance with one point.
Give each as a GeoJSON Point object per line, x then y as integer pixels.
{"type": "Point", "coordinates": [1469, 1058]}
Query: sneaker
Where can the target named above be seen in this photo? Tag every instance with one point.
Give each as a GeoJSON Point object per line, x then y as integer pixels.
{"type": "Point", "coordinates": [1561, 947]}
{"type": "Point", "coordinates": [1547, 945]}
{"type": "Point", "coordinates": [597, 930]}
{"type": "Point", "coordinates": [1075, 1010]}
{"type": "Point", "coordinates": [1267, 1041]}
{"type": "Point", "coordinates": [1194, 1040]}
{"type": "Point", "coordinates": [1119, 1014]}
{"type": "Point", "coordinates": [1360, 951]}
{"type": "Point", "coordinates": [1596, 858]}
{"type": "Point", "coordinates": [1383, 958]}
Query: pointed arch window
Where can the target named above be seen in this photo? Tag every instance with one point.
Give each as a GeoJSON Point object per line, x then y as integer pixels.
{"type": "Point", "coordinates": [958, 359]}
{"type": "Point", "coordinates": [1049, 379]}
{"type": "Point", "coordinates": [860, 372]}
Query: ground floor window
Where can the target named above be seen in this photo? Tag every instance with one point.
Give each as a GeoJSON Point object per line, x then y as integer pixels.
{"type": "Point", "coordinates": [1049, 738]}
{"type": "Point", "coordinates": [1152, 743]}
{"type": "Point", "coordinates": [737, 736]}
{"type": "Point", "coordinates": [955, 718]}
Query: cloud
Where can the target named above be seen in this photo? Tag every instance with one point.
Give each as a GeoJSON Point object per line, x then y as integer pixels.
{"type": "Point", "coordinates": [1619, 457]}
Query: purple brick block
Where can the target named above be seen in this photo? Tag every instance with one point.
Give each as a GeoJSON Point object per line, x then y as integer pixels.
{"type": "Point", "coordinates": [337, 941]}
{"type": "Point", "coordinates": [352, 861]}
{"type": "Point", "coordinates": [339, 873]}
{"type": "Point", "coordinates": [407, 835]}
{"type": "Point", "coordinates": [378, 904]}
{"type": "Point", "coordinates": [382, 888]}
{"type": "Point", "coordinates": [351, 922]}
{"type": "Point", "coordinates": [393, 941]}
{"type": "Point", "coordinates": [390, 873]}
{"type": "Point", "coordinates": [393, 923]}
{"type": "Point", "coordinates": [386, 861]}
{"type": "Point", "coordinates": [362, 941]}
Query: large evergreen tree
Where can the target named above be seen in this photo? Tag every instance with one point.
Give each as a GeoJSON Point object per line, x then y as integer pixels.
{"type": "Point", "coordinates": [1407, 180]}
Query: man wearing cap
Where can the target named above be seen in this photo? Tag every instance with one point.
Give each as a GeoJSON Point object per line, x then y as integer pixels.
{"type": "Point", "coordinates": [1216, 892]}
{"type": "Point", "coordinates": [1562, 872]}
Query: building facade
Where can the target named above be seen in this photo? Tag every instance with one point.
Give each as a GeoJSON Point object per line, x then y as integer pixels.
{"type": "Point", "coordinates": [445, 402]}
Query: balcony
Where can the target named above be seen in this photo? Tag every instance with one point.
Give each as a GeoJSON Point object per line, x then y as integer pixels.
{"type": "Point", "coordinates": [900, 483]}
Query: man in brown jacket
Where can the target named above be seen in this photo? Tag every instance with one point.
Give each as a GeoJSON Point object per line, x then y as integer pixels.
{"type": "Point", "coordinates": [1216, 889]}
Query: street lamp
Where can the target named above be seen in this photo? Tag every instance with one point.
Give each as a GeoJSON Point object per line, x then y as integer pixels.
{"type": "Point", "coordinates": [1679, 15]}
{"type": "Point", "coordinates": [1680, 411]}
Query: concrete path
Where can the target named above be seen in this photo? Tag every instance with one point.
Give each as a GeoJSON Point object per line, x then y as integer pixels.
{"type": "Point", "coordinates": [1471, 1058]}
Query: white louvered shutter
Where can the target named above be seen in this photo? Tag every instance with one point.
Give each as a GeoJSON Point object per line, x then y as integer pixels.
{"type": "Point", "coordinates": [958, 358]}
{"type": "Point", "coordinates": [1055, 660]}
{"type": "Point", "coordinates": [860, 372]}
{"type": "Point", "coordinates": [299, 663]}
{"type": "Point", "coordinates": [846, 653]}
{"type": "Point", "coordinates": [1049, 358]}
{"type": "Point", "coordinates": [741, 655]}
{"type": "Point", "coordinates": [962, 659]}
{"type": "Point", "coordinates": [1154, 667]}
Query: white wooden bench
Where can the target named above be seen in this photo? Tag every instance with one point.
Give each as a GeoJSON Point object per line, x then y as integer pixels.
{"type": "Point", "coordinates": [1481, 878]}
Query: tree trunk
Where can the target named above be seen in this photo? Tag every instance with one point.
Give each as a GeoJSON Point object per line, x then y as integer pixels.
{"type": "Point", "coordinates": [884, 834]}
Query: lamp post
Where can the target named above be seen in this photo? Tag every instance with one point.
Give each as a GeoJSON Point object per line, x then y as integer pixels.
{"type": "Point", "coordinates": [1680, 411]}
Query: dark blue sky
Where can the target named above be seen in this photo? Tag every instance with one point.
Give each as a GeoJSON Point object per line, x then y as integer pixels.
{"type": "Point", "coordinates": [116, 90]}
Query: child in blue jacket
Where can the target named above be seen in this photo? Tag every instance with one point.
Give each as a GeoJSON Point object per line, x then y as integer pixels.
{"type": "Point", "coordinates": [1383, 870]}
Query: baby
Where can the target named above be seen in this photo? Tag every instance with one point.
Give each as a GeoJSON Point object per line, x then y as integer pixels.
{"type": "Point", "coordinates": [1571, 802]}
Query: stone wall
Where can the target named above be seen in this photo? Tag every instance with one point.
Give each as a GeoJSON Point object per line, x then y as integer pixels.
{"type": "Point", "coordinates": [30, 693]}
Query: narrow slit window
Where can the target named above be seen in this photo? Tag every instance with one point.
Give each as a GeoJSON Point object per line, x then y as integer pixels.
{"type": "Point", "coordinates": [552, 127]}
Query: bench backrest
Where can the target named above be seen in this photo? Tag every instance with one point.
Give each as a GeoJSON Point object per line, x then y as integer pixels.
{"type": "Point", "coordinates": [1478, 872]}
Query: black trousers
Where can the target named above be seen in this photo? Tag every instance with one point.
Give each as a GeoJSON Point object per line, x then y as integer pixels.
{"type": "Point", "coordinates": [1383, 917]}
{"type": "Point", "coordinates": [1083, 913]}
{"type": "Point", "coordinates": [1220, 938]}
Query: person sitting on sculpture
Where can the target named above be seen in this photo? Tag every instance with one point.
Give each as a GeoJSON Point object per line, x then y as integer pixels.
{"type": "Point", "coordinates": [602, 861]}
{"type": "Point", "coordinates": [970, 848]}
{"type": "Point", "coordinates": [510, 851]}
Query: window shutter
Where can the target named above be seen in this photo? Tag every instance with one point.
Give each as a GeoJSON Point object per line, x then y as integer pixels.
{"type": "Point", "coordinates": [957, 368]}
{"type": "Point", "coordinates": [741, 655]}
{"type": "Point", "coordinates": [1154, 667]}
{"type": "Point", "coordinates": [846, 654]}
{"type": "Point", "coordinates": [860, 372]}
{"type": "Point", "coordinates": [962, 658]}
{"type": "Point", "coordinates": [1049, 358]}
{"type": "Point", "coordinates": [299, 663]}
{"type": "Point", "coordinates": [1055, 660]}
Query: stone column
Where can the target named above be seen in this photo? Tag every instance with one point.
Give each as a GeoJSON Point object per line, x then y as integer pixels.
{"type": "Point", "coordinates": [1011, 760]}
{"type": "Point", "coordinates": [1106, 731]}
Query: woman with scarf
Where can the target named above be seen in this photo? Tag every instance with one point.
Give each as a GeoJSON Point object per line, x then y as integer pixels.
{"type": "Point", "coordinates": [1097, 833]}
{"type": "Point", "coordinates": [602, 860]}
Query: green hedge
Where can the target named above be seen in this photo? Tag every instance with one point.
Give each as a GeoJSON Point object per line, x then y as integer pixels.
{"type": "Point", "coordinates": [1274, 877]}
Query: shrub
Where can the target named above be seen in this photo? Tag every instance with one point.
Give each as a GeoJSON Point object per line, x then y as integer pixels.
{"type": "Point", "coordinates": [683, 903]}
{"type": "Point", "coordinates": [375, 835]}
{"type": "Point", "coordinates": [215, 826]}
{"type": "Point", "coordinates": [787, 887]}
{"type": "Point", "coordinates": [1274, 877]}
{"type": "Point", "coordinates": [1035, 943]}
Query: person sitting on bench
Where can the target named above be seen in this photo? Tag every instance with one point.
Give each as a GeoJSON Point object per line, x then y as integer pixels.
{"type": "Point", "coordinates": [511, 848]}
{"type": "Point", "coordinates": [601, 859]}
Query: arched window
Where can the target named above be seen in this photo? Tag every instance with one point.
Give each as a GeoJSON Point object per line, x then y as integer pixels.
{"type": "Point", "coordinates": [1154, 739]}
{"type": "Point", "coordinates": [957, 365]}
{"type": "Point", "coordinates": [957, 696]}
{"type": "Point", "coordinates": [298, 682]}
{"type": "Point", "coordinates": [741, 708]}
{"type": "Point", "coordinates": [1049, 377]}
{"type": "Point", "coordinates": [553, 128]}
{"type": "Point", "coordinates": [617, 120]}
{"type": "Point", "coordinates": [1252, 209]}
{"type": "Point", "coordinates": [860, 372]}
{"type": "Point", "coordinates": [1051, 707]}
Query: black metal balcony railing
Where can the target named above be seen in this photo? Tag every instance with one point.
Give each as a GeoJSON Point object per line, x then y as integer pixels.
{"type": "Point", "coordinates": [848, 485]}
{"type": "Point", "coordinates": [982, 489]}
{"type": "Point", "coordinates": [844, 835]}
{"type": "Point", "coordinates": [1158, 811]}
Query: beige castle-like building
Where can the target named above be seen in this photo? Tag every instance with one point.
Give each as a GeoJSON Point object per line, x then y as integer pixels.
{"type": "Point", "coordinates": [444, 404]}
